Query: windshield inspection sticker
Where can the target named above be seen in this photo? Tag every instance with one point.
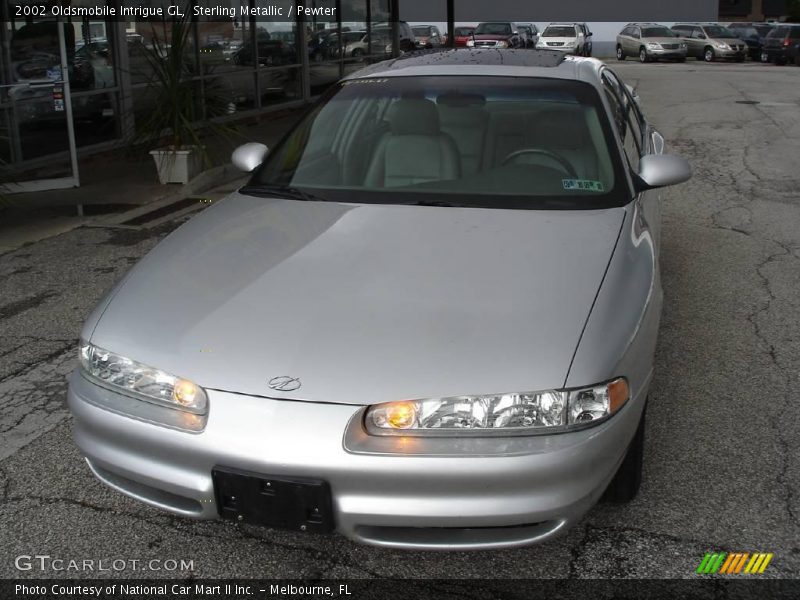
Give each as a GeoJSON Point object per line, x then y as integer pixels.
{"type": "Point", "coordinates": [584, 185]}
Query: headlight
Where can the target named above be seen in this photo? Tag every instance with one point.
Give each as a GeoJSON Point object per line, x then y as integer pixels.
{"type": "Point", "coordinates": [653, 46]}
{"type": "Point", "coordinates": [470, 43]}
{"type": "Point", "coordinates": [683, 44]}
{"type": "Point", "coordinates": [521, 413]}
{"type": "Point", "coordinates": [722, 46]}
{"type": "Point", "coordinates": [569, 43]}
{"type": "Point", "coordinates": [136, 379]}
{"type": "Point", "coordinates": [502, 44]}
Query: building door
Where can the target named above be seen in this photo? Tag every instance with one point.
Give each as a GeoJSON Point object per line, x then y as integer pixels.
{"type": "Point", "coordinates": [37, 138]}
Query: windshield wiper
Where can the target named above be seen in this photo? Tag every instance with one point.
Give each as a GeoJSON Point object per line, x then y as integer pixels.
{"type": "Point", "coordinates": [282, 191]}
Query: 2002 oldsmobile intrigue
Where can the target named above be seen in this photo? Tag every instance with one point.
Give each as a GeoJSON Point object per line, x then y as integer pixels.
{"type": "Point", "coordinates": [428, 321]}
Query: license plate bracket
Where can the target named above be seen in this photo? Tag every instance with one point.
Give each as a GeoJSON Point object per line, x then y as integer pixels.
{"type": "Point", "coordinates": [280, 502]}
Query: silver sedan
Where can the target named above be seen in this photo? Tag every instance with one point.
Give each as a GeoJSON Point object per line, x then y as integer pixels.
{"type": "Point", "coordinates": [428, 321]}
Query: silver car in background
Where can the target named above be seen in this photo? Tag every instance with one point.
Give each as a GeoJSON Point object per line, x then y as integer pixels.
{"type": "Point", "coordinates": [394, 332]}
{"type": "Point", "coordinates": [711, 41]}
{"type": "Point", "coordinates": [650, 42]}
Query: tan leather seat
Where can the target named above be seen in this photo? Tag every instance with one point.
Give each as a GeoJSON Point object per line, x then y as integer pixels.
{"type": "Point", "coordinates": [415, 150]}
{"type": "Point", "coordinates": [467, 126]}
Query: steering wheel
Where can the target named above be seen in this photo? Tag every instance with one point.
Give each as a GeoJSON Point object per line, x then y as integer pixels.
{"type": "Point", "coordinates": [563, 164]}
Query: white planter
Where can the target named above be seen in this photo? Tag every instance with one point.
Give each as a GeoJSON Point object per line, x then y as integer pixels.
{"type": "Point", "coordinates": [177, 166]}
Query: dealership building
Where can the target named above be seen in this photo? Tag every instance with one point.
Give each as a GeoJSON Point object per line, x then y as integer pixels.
{"type": "Point", "coordinates": [80, 83]}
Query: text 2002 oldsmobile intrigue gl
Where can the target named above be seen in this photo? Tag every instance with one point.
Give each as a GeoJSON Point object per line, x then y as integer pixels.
{"type": "Point", "coordinates": [428, 321]}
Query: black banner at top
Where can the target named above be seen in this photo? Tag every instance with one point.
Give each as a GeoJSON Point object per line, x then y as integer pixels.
{"type": "Point", "coordinates": [467, 11]}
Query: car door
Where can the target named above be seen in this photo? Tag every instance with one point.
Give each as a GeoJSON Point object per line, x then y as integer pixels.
{"type": "Point", "coordinates": [580, 40]}
{"type": "Point", "coordinates": [633, 41]}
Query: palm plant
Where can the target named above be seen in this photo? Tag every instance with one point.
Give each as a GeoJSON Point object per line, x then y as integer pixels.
{"type": "Point", "coordinates": [178, 113]}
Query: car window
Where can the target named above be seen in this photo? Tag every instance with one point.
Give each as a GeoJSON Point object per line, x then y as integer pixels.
{"type": "Point", "coordinates": [657, 32]}
{"type": "Point", "coordinates": [464, 31]}
{"type": "Point", "coordinates": [493, 29]}
{"type": "Point", "coordinates": [559, 31]}
{"type": "Point", "coordinates": [697, 33]}
{"type": "Point", "coordinates": [717, 31]}
{"type": "Point", "coordinates": [546, 143]}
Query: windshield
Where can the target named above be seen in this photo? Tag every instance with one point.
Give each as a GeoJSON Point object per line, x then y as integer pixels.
{"type": "Point", "coordinates": [657, 32]}
{"type": "Point", "coordinates": [559, 32]}
{"type": "Point", "coordinates": [763, 29]}
{"type": "Point", "coordinates": [463, 31]}
{"type": "Point", "coordinates": [717, 31]}
{"type": "Point", "coordinates": [493, 29]}
{"type": "Point", "coordinates": [423, 31]}
{"type": "Point", "coordinates": [479, 141]}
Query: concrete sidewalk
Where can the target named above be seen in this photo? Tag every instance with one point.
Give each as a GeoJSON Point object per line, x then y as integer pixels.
{"type": "Point", "coordinates": [115, 182]}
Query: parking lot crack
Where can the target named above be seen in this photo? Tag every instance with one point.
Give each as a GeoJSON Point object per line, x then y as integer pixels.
{"type": "Point", "coordinates": [66, 346]}
{"type": "Point", "coordinates": [753, 318]}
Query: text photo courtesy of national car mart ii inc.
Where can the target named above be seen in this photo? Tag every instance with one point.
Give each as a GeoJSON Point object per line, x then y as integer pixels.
{"type": "Point", "coordinates": [177, 8]}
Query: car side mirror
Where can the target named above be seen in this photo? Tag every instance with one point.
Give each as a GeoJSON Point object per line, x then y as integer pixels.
{"type": "Point", "coordinates": [662, 170]}
{"type": "Point", "coordinates": [248, 157]}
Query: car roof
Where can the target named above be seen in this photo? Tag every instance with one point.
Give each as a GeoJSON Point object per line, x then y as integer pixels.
{"type": "Point", "coordinates": [489, 61]}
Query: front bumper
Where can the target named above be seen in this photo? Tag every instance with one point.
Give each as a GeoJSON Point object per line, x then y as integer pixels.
{"type": "Point", "coordinates": [735, 54]}
{"type": "Point", "coordinates": [564, 49]}
{"type": "Point", "coordinates": [406, 493]}
{"type": "Point", "coordinates": [667, 53]}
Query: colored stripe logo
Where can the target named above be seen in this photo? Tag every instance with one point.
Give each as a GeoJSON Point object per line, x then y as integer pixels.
{"type": "Point", "coordinates": [734, 563]}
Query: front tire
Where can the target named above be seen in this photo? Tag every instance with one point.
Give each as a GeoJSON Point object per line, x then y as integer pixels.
{"type": "Point", "coordinates": [708, 54]}
{"type": "Point", "coordinates": [620, 53]}
{"type": "Point", "coordinates": [626, 483]}
{"type": "Point", "coordinates": [643, 58]}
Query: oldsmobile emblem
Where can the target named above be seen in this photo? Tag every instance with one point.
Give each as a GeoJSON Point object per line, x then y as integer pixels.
{"type": "Point", "coordinates": [284, 383]}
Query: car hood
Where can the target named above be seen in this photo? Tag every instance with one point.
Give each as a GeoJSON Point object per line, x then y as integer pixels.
{"type": "Point", "coordinates": [364, 303]}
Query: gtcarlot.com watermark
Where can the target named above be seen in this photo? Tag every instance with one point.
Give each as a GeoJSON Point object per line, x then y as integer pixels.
{"type": "Point", "coordinates": [48, 563]}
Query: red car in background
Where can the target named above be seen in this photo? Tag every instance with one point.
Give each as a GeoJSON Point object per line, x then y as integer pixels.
{"type": "Point", "coordinates": [462, 35]}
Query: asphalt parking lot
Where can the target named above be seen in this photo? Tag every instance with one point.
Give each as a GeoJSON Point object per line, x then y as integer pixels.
{"type": "Point", "coordinates": [723, 432]}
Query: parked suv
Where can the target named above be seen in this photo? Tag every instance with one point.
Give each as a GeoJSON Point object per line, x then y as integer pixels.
{"type": "Point", "coordinates": [650, 41]}
{"type": "Point", "coordinates": [710, 41]}
{"type": "Point", "coordinates": [529, 33]}
{"type": "Point", "coordinates": [782, 45]}
{"type": "Point", "coordinates": [752, 34]}
{"type": "Point", "coordinates": [427, 36]}
{"type": "Point", "coordinates": [496, 35]}
{"type": "Point", "coordinates": [564, 37]}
